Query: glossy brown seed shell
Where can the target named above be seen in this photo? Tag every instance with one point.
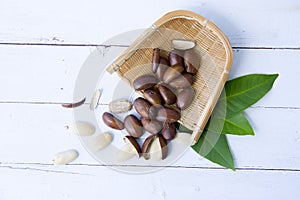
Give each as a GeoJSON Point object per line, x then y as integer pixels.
{"type": "Point", "coordinates": [142, 107]}
{"type": "Point", "coordinates": [155, 59]}
{"type": "Point", "coordinates": [182, 81]}
{"type": "Point", "coordinates": [191, 61]}
{"type": "Point", "coordinates": [162, 67]}
{"type": "Point", "coordinates": [134, 144]}
{"type": "Point", "coordinates": [112, 121]}
{"type": "Point", "coordinates": [172, 72]}
{"type": "Point", "coordinates": [168, 95]}
{"type": "Point", "coordinates": [169, 131]}
{"type": "Point", "coordinates": [144, 82]}
{"type": "Point", "coordinates": [146, 146]}
{"type": "Point", "coordinates": [175, 57]}
{"type": "Point", "coordinates": [153, 96]}
{"type": "Point", "coordinates": [185, 98]}
{"type": "Point", "coordinates": [168, 115]}
{"type": "Point", "coordinates": [152, 126]}
{"type": "Point", "coordinates": [133, 126]}
{"type": "Point", "coordinates": [164, 146]}
{"type": "Point", "coordinates": [74, 105]}
{"type": "Point", "coordinates": [153, 111]}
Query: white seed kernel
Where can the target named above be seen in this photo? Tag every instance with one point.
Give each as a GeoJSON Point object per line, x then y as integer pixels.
{"type": "Point", "coordinates": [95, 99]}
{"type": "Point", "coordinates": [183, 44]}
{"type": "Point", "coordinates": [120, 106]}
{"type": "Point", "coordinates": [183, 138]}
{"type": "Point", "coordinates": [82, 128]}
{"type": "Point", "coordinates": [101, 141]}
{"type": "Point", "coordinates": [65, 157]}
{"type": "Point", "coordinates": [126, 152]}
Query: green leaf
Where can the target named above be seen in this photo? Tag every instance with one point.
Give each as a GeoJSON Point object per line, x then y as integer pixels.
{"type": "Point", "coordinates": [182, 128]}
{"type": "Point", "coordinates": [244, 91]}
{"type": "Point", "coordinates": [214, 147]}
{"type": "Point", "coordinates": [237, 125]}
{"type": "Point", "coordinates": [228, 117]}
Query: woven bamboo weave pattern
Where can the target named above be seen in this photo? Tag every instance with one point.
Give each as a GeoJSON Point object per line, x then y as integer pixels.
{"type": "Point", "coordinates": [211, 44]}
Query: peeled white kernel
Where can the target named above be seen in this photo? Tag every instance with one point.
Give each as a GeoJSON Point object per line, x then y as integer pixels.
{"type": "Point", "coordinates": [101, 141]}
{"type": "Point", "coordinates": [95, 99]}
{"type": "Point", "coordinates": [65, 157]}
{"type": "Point", "coordinates": [183, 138]}
{"type": "Point", "coordinates": [82, 128]}
{"type": "Point", "coordinates": [126, 152]}
{"type": "Point", "coordinates": [155, 150]}
{"type": "Point", "coordinates": [183, 44]}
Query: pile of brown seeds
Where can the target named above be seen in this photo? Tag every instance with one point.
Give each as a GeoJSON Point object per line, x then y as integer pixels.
{"type": "Point", "coordinates": [166, 91]}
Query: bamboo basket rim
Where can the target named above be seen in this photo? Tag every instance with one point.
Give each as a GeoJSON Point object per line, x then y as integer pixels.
{"type": "Point", "coordinates": [177, 14]}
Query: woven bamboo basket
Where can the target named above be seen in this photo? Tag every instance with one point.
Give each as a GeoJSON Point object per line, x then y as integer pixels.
{"type": "Point", "coordinates": [212, 45]}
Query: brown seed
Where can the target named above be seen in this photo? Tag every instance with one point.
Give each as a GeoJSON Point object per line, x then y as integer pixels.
{"type": "Point", "coordinates": [168, 115]}
{"type": "Point", "coordinates": [162, 67]}
{"type": "Point", "coordinates": [133, 126]}
{"type": "Point", "coordinates": [185, 98]}
{"type": "Point", "coordinates": [74, 105]}
{"type": "Point", "coordinates": [175, 58]}
{"type": "Point", "coordinates": [131, 149]}
{"type": "Point", "coordinates": [164, 146]}
{"type": "Point", "coordinates": [155, 59]}
{"type": "Point", "coordinates": [155, 147]}
{"type": "Point", "coordinates": [153, 96]}
{"type": "Point", "coordinates": [144, 82]}
{"type": "Point", "coordinates": [131, 140]}
{"type": "Point", "coordinates": [153, 111]}
{"type": "Point", "coordinates": [152, 126]}
{"type": "Point", "coordinates": [191, 61]}
{"type": "Point", "coordinates": [172, 72]}
{"type": "Point", "coordinates": [169, 131]}
{"type": "Point", "coordinates": [142, 107]}
{"type": "Point", "coordinates": [168, 96]}
{"type": "Point", "coordinates": [112, 121]}
{"type": "Point", "coordinates": [146, 146]}
{"type": "Point", "coordinates": [182, 81]}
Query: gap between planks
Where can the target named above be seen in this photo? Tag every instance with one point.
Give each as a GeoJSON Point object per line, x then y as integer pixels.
{"type": "Point", "coordinates": [105, 104]}
{"type": "Point", "coordinates": [32, 166]}
{"type": "Point", "coordinates": [122, 45]}
{"type": "Point", "coordinates": [45, 103]}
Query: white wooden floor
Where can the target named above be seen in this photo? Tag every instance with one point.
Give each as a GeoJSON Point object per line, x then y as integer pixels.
{"type": "Point", "coordinates": [42, 47]}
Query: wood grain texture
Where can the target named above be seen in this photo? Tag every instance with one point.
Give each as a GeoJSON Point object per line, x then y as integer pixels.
{"type": "Point", "coordinates": [36, 79]}
{"type": "Point", "coordinates": [40, 131]}
{"type": "Point", "coordinates": [93, 182]}
{"type": "Point", "coordinates": [247, 23]}
{"type": "Point", "coordinates": [52, 72]}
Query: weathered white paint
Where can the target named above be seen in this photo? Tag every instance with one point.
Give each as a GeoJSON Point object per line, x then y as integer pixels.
{"type": "Point", "coordinates": [31, 133]}
{"type": "Point", "coordinates": [34, 133]}
{"type": "Point", "coordinates": [91, 182]}
{"type": "Point", "coordinates": [52, 72]}
{"type": "Point", "coordinates": [247, 23]}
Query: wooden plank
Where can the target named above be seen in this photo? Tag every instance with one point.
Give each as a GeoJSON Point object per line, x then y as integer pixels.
{"type": "Point", "coordinates": [34, 133]}
{"type": "Point", "coordinates": [42, 74]}
{"type": "Point", "coordinates": [248, 23]}
{"type": "Point", "coordinates": [48, 74]}
{"type": "Point", "coordinates": [88, 182]}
